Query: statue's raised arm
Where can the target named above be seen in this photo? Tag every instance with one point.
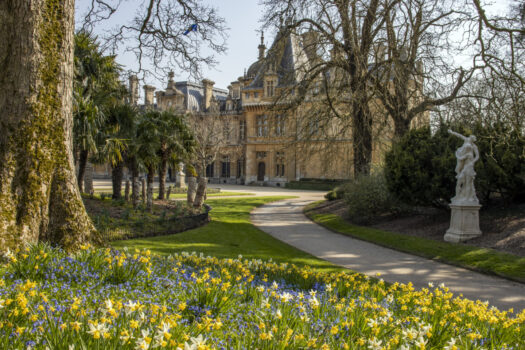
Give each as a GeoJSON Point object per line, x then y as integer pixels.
{"type": "Point", "coordinates": [464, 138]}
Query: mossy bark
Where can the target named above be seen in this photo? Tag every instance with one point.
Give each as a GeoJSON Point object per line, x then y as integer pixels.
{"type": "Point", "coordinates": [39, 196]}
{"type": "Point", "coordinates": [192, 188]}
{"type": "Point", "coordinates": [201, 192]}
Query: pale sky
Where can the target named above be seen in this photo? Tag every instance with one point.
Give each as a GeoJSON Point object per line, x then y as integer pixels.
{"type": "Point", "coordinates": [242, 18]}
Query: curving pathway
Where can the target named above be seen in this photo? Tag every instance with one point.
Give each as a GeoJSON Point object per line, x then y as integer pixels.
{"type": "Point", "coordinates": [285, 221]}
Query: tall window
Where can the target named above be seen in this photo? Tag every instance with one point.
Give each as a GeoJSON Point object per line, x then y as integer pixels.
{"type": "Point", "coordinates": [270, 88]}
{"type": "Point", "coordinates": [209, 170]}
{"type": "Point", "coordinates": [279, 125]}
{"type": "Point", "coordinates": [262, 125]}
{"type": "Point", "coordinates": [242, 130]}
{"type": "Point", "coordinates": [240, 167]}
{"type": "Point", "coordinates": [225, 167]}
{"type": "Point", "coordinates": [226, 131]}
{"type": "Point", "coordinates": [279, 164]}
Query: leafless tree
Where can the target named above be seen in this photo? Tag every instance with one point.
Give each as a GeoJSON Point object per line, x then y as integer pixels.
{"type": "Point", "coordinates": [156, 33]}
{"type": "Point", "coordinates": [211, 134]}
{"type": "Point", "coordinates": [369, 61]}
{"type": "Point", "coordinates": [501, 41]}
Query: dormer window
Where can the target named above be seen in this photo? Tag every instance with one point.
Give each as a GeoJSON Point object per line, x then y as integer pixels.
{"type": "Point", "coordinates": [270, 88]}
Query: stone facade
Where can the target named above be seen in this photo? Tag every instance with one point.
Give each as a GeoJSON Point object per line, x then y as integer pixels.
{"type": "Point", "coordinates": [262, 147]}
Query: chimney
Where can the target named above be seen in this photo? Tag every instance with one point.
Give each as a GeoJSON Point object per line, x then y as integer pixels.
{"type": "Point", "coordinates": [208, 93]}
{"type": "Point", "coordinates": [171, 82]}
{"type": "Point", "coordinates": [310, 39]}
{"type": "Point", "coordinates": [261, 47]}
{"type": "Point", "coordinates": [149, 92]}
{"type": "Point", "coordinates": [133, 89]}
{"type": "Point", "coordinates": [236, 90]}
{"type": "Point", "coordinates": [230, 91]}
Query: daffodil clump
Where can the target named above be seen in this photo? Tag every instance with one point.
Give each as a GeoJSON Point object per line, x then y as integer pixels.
{"type": "Point", "coordinates": [106, 299]}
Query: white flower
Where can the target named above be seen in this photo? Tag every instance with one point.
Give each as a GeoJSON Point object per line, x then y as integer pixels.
{"type": "Point", "coordinates": [389, 298]}
{"type": "Point", "coordinates": [314, 302]}
{"type": "Point", "coordinates": [260, 289]}
{"type": "Point", "coordinates": [278, 314]}
{"type": "Point", "coordinates": [286, 297]}
{"type": "Point", "coordinates": [195, 343]}
{"type": "Point", "coordinates": [97, 330]}
{"type": "Point", "coordinates": [130, 307]}
{"type": "Point", "coordinates": [410, 334]}
{"type": "Point", "coordinates": [451, 345]}
{"type": "Point", "coordinates": [374, 344]}
{"type": "Point", "coordinates": [372, 323]}
{"type": "Point", "coordinates": [442, 285]}
{"type": "Point", "coordinates": [328, 287]}
{"type": "Point", "coordinates": [431, 285]}
{"type": "Point", "coordinates": [2, 301]}
{"type": "Point", "coordinates": [275, 285]}
{"type": "Point", "coordinates": [421, 342]}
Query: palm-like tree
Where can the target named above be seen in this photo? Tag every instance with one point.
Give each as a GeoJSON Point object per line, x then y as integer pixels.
{"type": "Point", "coordinates": [96, 86]}
{"type": "Point", "coordinates": [146, 146]}
{"type": "Point", "coordinates": [176, 144]}
{"type": "Point", "coordinates": [117, 133]}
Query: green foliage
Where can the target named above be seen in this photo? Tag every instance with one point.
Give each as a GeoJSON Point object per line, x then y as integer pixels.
{"type": "Point", "coordinates": [502, 166]}
{"type": "Point", "coordinates": [367, 197]}
{"type": "Point", "coordinates": [420, 168]}
{"type": "Point", "coordinates": [96, 86]}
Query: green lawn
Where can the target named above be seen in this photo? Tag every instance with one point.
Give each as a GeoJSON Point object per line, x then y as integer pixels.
{"type": "Point", "coordinates": [183, 195]}
{"type": "Point", "coordinates": [219, 194]}
{"type": "Point", "coordinates": [228, 235]}
{"type": "Point", "coordinates": [480, 259]}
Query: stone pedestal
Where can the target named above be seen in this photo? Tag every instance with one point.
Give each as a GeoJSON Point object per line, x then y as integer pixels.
{"type": "Point", "coordinates": [464, 223]}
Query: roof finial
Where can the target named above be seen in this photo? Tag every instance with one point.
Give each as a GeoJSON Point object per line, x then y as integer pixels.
{"type": "Point", "coordinates": [261, 47]}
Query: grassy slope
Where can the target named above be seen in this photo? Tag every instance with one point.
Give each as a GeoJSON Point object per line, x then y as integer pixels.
{"type": "Point", "coordinates": [475, 258]}
{"type": "Point", "coordinates": [229, 234]}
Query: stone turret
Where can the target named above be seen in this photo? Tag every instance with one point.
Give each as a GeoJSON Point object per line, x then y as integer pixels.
{"type": "Point", "coordinates": [310, 39]}
{"type": "Point", "coordinates": [261, 47]}
{"type": "Point", "coordinates": [149, 92]}
{"type": "Point", "coordinates": [208, 93]}
{"type": "Point", "coordinates": [133, 89]}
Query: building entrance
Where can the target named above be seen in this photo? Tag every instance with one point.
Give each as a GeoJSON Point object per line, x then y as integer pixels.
{"type": "Point", "coordinates": [261, 169]}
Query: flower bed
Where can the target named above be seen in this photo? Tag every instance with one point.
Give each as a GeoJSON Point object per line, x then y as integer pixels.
{"type": "Point", "coordinates": [105, 299]}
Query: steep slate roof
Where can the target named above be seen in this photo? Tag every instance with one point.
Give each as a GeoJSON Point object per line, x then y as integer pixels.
{"type": "Point", "coordinates": [194, 95]}
{"type": "Point", "coordinates": [288, 58]}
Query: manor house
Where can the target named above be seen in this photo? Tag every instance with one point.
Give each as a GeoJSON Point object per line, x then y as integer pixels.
{"type": "Point", "coordinates": [261, 146]}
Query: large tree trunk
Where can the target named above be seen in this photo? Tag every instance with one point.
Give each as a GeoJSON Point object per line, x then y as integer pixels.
{"type": "Point", "coordinates": [117, 174]}
{"type": "Point", "coordinates": [149, 195]}
{"type": "Point", "coordinates": [201, 192]}
{"type": "Point", "coordinates": [362, 141]}
{"type": "Point", "coordinates": [82, 161]}
{"type": "Point", "coordinates": [163, 169]}
{"type": "Point", "coordinates": [39, 196]}
{"type": "Point", "coordinates": [192, 188]}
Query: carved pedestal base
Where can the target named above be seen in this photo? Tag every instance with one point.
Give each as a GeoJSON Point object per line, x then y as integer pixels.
{"type": "Point", "coordinates": [464, 223]}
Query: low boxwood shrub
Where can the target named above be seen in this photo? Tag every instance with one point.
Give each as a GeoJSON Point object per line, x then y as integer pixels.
{"type": "Point", "coordinates": [368, 196]}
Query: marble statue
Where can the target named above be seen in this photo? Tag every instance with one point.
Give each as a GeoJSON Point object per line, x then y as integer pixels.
{"type": "Point", "coordinates": [464, 221]}
{"type": "Point", "coordinates": [466, 156]}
